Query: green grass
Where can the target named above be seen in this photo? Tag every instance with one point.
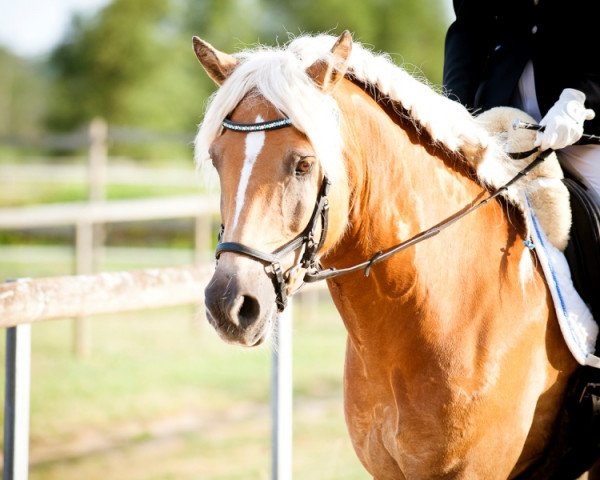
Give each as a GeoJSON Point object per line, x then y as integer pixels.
{"type": "Point", "coordinates": [160, 396]}
{"type": "Point", "coordinates": [36, 181]}
{"type": "Point", "coordinates": [24, 193]}
{"type": "Point", "coordinates": [52, 260]}
{"type": "Point", "coordinates": [160, 365]}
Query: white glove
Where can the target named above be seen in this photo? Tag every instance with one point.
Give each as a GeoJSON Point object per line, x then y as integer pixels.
{"type": "Point", "coordinates": [564, 121]}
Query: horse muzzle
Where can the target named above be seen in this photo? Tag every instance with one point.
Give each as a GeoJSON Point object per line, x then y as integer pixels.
{"type": "Point", "coordinates": [240, 302]}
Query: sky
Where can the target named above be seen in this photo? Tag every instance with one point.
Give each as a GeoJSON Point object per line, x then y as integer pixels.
{"type": "Point", "coordinates": [34, 27]}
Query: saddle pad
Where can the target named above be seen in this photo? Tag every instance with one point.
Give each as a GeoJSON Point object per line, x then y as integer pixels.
{"type": "Point", "coordinates": [583, 249]}
{"type": "Point", "coordinates": [574, 317]}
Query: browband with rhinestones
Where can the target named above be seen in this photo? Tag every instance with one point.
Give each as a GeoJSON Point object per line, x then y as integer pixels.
{"type": "Point", "coordinates": [257, 127]}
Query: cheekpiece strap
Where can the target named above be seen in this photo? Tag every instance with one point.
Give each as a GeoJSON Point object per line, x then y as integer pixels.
{"type": "Point", "coordinates": [256, 127]}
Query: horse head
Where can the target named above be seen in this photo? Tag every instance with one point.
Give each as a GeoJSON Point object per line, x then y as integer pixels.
{"type": "Point", "coordinates": [272, 133]}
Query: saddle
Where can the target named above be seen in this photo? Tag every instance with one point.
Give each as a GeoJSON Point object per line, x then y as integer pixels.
{"type": "Point", "coordinates": [583, 249]}
{"type": "Point", "coordinates": [577, 447]}
{"type": "Point", "coordinates": [583, 256]}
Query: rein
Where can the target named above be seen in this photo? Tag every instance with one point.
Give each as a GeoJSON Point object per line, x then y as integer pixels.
{"type": "Point", "coordinates": [318, 275]}
{"type": "Point", "coordinates": [306, 239]}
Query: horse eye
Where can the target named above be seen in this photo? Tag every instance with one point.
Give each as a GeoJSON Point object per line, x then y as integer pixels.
{"type": "Point", "coordinates": [303, 167]}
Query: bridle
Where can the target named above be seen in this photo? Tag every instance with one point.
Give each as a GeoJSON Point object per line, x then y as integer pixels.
{"type": "Point", "coordinates": [306, 239]}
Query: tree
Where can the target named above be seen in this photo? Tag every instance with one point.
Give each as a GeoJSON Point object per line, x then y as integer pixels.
{"type": "Point", "coordinates": [133, 62]}
{"type": "Point", "coordinates": [126, 66]}
{"type": "Point", "coordinates": [22, 94]}
{"type": "Point", "coordinates": [411, 31]}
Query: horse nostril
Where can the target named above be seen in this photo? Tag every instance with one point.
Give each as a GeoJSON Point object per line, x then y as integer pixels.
{"type": "Point", "coordinates": [249, 311]}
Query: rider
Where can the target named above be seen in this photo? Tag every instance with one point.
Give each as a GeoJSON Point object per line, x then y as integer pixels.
{"type": "Point", "coordinates": [540, 56]}
{"type": "Point", "coordinates": [537, 55]}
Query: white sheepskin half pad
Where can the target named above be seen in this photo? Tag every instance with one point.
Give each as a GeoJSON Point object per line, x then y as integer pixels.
{"type": "Point", "coordinates": [575, 319]}
{"type": "Point", "coordinates": [544, 201]}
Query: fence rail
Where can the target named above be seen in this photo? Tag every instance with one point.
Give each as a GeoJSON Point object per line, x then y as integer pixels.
{"type": "Point", "coordinates": [85, 216]}
{"type": "Point", "coordinates": [119, 171]}
{"type": "Point", "coordinates": [25, 301]}
{"type": "Point", "coordinates": [107, 212]}
{"type": "Point", "coordinates": [30, 300]}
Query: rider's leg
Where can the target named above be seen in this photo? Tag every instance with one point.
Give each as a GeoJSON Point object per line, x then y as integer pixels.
{"type": "Point", "coordinates": [583, 162]}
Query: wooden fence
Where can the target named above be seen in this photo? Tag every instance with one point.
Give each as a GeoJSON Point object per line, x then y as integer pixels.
{"type": "Point", "coordinates": [28, 300]}
{"type": "Point", "coordinates": [87, 216]}
{"type": "Point", "coordinates": [25, 301]}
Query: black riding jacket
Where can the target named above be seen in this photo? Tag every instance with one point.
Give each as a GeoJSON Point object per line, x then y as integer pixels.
{"type": "Point", "coordinates": [489, 44]}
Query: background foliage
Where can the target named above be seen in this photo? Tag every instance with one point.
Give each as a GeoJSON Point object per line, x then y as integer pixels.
{"type": "Point", "coordinates": [132, 63]}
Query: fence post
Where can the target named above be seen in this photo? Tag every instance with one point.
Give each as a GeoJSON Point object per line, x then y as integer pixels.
{"type": "Point", "coordinates": [84, 264]}
{"type": "Point", "coordinates": [16, 402]}
{"type": "Point", "coordinates": [97, 166]}
{"type": "Point", "coordinates": [97, 159]}
{"type": "Point", "coordinates": [202, 245]}
{"type": "Point", "coordinates": [202, 238]}
{"type": "Point", "coordinates": [310, 303]}
{"type": "Point", "coordinates": [281, 397]}
{"type": "Point", "coordinates": [90, 237]}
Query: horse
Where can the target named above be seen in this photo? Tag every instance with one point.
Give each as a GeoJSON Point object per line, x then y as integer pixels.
{"type": "Point", "coordinates": [328, 154]}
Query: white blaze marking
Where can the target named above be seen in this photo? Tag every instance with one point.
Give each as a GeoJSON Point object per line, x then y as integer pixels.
{"type": "Point", "coordinates": [254, 145]}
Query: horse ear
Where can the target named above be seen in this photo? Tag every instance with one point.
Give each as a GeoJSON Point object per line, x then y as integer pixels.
{"type": "Point", "coordinates": [217, 64]}
{"type": "Point", "coordinates": [327, 73]}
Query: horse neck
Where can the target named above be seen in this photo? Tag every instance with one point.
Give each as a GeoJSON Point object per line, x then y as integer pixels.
{"type": "Point", "coordinates": [400, 186]}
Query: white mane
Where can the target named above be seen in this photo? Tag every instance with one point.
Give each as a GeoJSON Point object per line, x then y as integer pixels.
{"type": "Point", "coordinates": [279, 76]}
